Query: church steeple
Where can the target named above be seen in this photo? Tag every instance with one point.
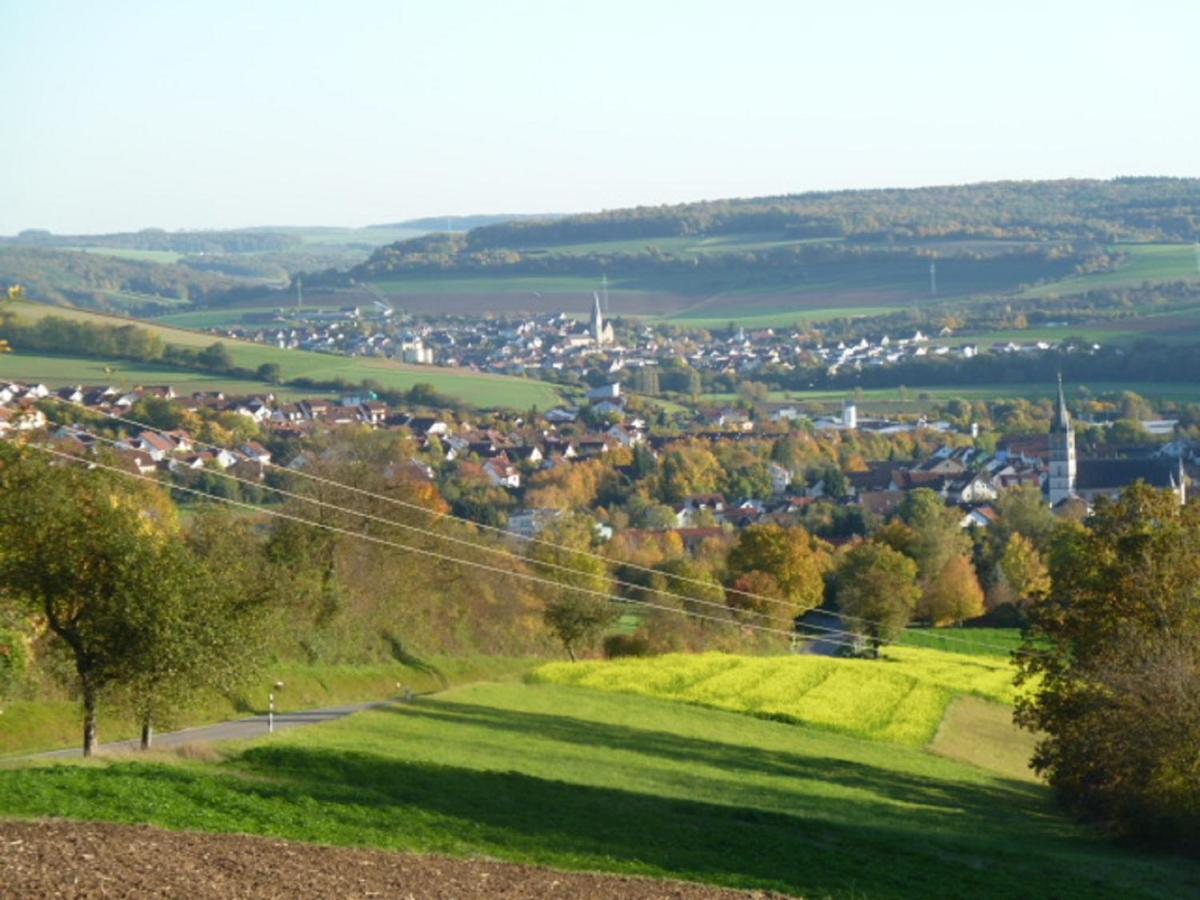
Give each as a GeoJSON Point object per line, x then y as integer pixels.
{"type": "Point", "coordinates": [1061, 483]}
{"type": "Point", "coordinates": [1061, 423]}
{"type": "Point", "coordinates": [597, 328]}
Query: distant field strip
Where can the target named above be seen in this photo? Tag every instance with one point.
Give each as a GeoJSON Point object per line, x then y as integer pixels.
{"type": "Point", "coordinates": [474, 388]}
{"type": "Point", "coordinates": [901, 699]}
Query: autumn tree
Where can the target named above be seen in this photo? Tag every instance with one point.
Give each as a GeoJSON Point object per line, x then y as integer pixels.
{"type": "Point", "coordinates": [577, 608]}
{"type": "Point", "coordinates": [1022, 576]}
{"type": "Point", "coordinates": [203, 631]}
{"type": "Point", "coordinates": [1111, 664]}
{"type": "Point", "coordinates": [94, 556]}
{"type": "Point", "coordinates": [876, 589]}
{"type": "Point", "coordinates": [793, 558]}
{"type": "Point", "coordinates": [954, 595]}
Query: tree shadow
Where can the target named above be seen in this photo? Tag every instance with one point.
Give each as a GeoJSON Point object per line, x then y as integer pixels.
{"type": "Point", "coordinates": [1002, 798]}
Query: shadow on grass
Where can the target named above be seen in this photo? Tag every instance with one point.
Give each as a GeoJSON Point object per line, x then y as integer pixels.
{"type": "Point", "coordinates": [1003, 798]}
{"type": "Point", "coordinates": [952, 839]}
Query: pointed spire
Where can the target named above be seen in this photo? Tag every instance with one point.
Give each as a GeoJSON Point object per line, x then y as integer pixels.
{"type": "Point", "coordinates": [1061, 422]}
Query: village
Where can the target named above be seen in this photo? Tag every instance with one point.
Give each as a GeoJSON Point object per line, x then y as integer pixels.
{"type": "Point", "coordinates": [779, 464]}
{"type": "Point", "coordinates": [551, 345]}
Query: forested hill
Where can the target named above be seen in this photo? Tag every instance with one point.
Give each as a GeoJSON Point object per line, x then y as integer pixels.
{"type": "Point", "coordinates": [1071, 221]}
{"type": "Point", "coordinates": [1132, 209]}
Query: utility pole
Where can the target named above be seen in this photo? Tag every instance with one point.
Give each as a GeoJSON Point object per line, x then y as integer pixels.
{"type": "Point", "coordinates": [299, 293]}
{"type": "Point", "coordinates": [604, 291]}
{"type": "Point", "coordinates": [932, 278]}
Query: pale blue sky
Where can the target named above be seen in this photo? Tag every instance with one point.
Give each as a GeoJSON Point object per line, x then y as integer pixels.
{"type": "Point", "coordinates": [181, 113]}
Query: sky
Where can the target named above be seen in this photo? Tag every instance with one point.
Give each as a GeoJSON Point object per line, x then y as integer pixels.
{"type": "Point", "coordinates": [210, 114]}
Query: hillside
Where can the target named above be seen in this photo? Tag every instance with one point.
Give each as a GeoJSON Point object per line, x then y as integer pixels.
{"type": "Point", "coordinates": [585, 780]}
{"type": "Point", "coordinates": [473, 389]}
{"type": "Point", "coordinates": [817, 255]}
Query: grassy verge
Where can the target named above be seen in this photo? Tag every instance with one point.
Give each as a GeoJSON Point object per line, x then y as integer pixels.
{"type": "Point", "coordinates": [901, 698]}
{"type": "Point", "coordinates": [582, 779]}
{"type": "Point", "coordinates": [33, 726]}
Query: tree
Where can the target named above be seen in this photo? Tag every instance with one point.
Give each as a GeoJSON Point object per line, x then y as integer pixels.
{"type": "Point", "coordinates": [1112, 667]}
{"type": "Point", "coordinates": [216, 357]}
{"type": "Point", "coordinates": [577, 610]}
{"type": "Point", "coordinates": [791, 556]}
{"type": "Point", "coordinates": [202, 630]}
{"type": "Point", "coordinates": [876, 588]}
{"type": "Point", "coordinates": [270, 373]}
{"type": "Point", "coordinates": [1023, 575]}
{"type": "Point", "coordinates": [954, 595]}
{"type": "Point", "coordinates": [84, 551]}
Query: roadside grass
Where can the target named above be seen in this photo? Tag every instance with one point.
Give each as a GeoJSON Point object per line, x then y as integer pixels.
{"type": "Point", "coordinates": [580, 779]}
{"type": "Point", "coordinates": [31, 726]}
{"type": "Point", "coordinates": [901, 698]}
{"type": "Point", "coordinates": [473, 388]}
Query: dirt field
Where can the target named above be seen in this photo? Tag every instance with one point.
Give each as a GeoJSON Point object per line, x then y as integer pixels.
{"type": "Point", "coordinates": [57, 858]}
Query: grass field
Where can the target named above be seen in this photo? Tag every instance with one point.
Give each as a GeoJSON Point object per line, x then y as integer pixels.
{"type": "Point", "coordinates": [473, 388]}
{"type": "Point", "coordinates": [900, 699]}
{"type": "Point", "coordinates": [892, 401]}
{"type": "Point", "coordinates": [155, 256]}
{"type": "Point", "coordinates": [582, 779]}
{"type": "Point", "coordinates": [30, 726]}
{"type": "Point", "coordinates": [974, 641]}
{"type": "Point", "coordinates": [64, 371]}
{"type": "Point", "coordinates": [1146, 262]}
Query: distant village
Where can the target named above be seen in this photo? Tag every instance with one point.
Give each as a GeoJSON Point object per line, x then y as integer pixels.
{"type": "Point", "coordinates": [560, 343]}
{"type": "Point", "coordinates": [507, 452]}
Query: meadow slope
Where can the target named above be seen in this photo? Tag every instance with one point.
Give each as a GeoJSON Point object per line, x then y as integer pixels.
{"type": "Point", "coordinates": [583, 779]}
{"type": "Point", "coordinates": [472, 388]}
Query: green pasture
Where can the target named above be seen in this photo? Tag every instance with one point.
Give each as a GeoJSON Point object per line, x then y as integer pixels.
{"type": "Point", "coordinates": [583, 779]}
{"type": "Point", "coordinates": [154, 256]}
{"type": "Point", "coordinates": [217, 317]}
{"type": "Point", "coordinates": [916, 399]}
{"type": "Point", "coordinates": [66, 371]}
{"type": "Point", "coordinates": [476, 389]}
{"type": "Point", "coordinates": [1146, 263]}
{"type": "Point", "coordinates": [31, 726]}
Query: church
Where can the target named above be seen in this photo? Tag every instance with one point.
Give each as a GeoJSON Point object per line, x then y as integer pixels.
{"type": "Point", "coordinates": [601, 332]}
{"type": "Point", "coordinates": [1087, 479]}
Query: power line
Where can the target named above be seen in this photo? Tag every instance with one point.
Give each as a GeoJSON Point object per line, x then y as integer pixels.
{"type": "Point", "coordinates": [965, 642]}
{"type": "Point", "coordinates": [826, 631]}
{"type": "Point", "coordinates": [446, 537]}
{"type": "Point", "coordinates": [846, 635]}
{"type": "Point", "coordinates": [614, 598]}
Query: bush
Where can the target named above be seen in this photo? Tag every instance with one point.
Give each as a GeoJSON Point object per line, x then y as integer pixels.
{"type": "Point", "coordinates": [617, 645]}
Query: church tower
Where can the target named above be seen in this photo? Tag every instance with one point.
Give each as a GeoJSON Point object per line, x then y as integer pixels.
{"type": "Point", "coordinates": [600, 331]}
{"type": "Point", "coordinates": [1062, 451]}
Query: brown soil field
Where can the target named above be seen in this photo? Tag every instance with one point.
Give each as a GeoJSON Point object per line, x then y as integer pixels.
{"type": "Point", "coordinates": [58, 858]}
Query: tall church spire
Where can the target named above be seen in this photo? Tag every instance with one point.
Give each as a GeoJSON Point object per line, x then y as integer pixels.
{"type": "Point", "coordinates": [1061, 483]}
{"type": "Point", "coordinates": [597, 328]}
{"type": "Point", "coordinates": [1061, 423]}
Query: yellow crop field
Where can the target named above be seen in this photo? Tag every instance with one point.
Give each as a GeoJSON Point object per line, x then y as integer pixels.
{"type": "Point", "coordinates": [901, 698]}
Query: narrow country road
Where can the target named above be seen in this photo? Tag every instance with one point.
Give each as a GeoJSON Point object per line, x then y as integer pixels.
{"type": "Point", "coordinates": [256, 726]}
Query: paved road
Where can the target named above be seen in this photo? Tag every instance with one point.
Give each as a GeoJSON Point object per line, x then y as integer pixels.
{"type": "Point", "coordinates": [828, 630]}
{"type": "Point", "coordinates": [255, 726]}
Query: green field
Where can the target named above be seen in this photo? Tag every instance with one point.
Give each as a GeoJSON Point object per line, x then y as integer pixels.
{"type": "Point", "coordinates": [900, 699]}
{"type": "Point", "coordinates": [224, 316]}
{"type": "Point", "coordinates": [582, 779]}
{"type": "Point", "coordinates": [475, 389]}
{"type": "Point", "coordinates": [975, 641]}
{"type": "Point", "coordinates": [893, 401]}
{"type": "Point", "coordinates": [67, 371]}
{"type": "Point", "coordinates": [1146, 262]}
{"type": "Point", "coordinates": [156, 256]}
{"type": "Point", "coordinates": [31, 726]}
